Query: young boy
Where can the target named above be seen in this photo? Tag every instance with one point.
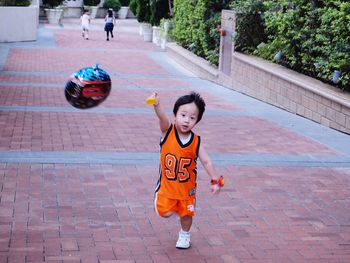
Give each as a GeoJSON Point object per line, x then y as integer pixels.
{"type": "Point", "coordinates": [180, 147]}
{"type": "Point", "coordinates": [85, 24]}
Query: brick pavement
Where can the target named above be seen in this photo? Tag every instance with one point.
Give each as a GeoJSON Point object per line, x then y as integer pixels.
{"type": "Point", "coordinates": [77, 186]}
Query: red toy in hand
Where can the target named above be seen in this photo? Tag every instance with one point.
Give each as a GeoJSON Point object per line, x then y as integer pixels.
{"type": "Point", "coordinates": [220, 181]}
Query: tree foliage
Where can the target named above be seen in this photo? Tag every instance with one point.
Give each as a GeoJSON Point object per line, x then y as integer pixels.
{"type": "Point", "coordinates": [91, 2]}
{"type": "Point", "coordinates": [195, 26]}
{"type": "Point", "coordinates": [114, 4]}
{"type": "Point", "coordinates": [159, 9]}
{"type": "Point", "coordinates": [314, 36]}
{"type": "Point", "coordinates": [14, 2]}
{"type": "Point", "coordinates": [52, 3]}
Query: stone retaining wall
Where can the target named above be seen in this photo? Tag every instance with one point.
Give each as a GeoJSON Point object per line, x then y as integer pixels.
{"type": "Point", "coordinates": [291, 91]}
{"type": "Point", "coordinates": [195, 64]}
{"type": "Point", "coordinates": [275, 85]}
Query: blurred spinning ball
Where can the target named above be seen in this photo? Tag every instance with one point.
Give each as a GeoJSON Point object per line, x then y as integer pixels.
{"type": "Point", "coordinates": [88, 87]}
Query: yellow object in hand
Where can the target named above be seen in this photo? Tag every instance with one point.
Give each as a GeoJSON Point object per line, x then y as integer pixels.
{"type": "Point", "coordinates": [151, 101]}
{"type": "Point", "coordinates": [221, 181]}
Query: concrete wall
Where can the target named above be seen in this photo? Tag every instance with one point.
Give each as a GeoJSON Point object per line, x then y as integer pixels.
{"type": "Point", "coordinates": [197, 65]}
{"type": "Point", "coordinates": [19, 23]}
{"type": "Point", "coordinates": [72, 12]}
{"type": "Point", "coordinates": [291, 91]}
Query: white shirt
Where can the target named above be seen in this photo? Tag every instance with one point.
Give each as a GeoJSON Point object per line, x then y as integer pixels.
{"type": "Point", "coordinates": [109, 19]}
{"type": "Point", "coordinates": [85, 21]}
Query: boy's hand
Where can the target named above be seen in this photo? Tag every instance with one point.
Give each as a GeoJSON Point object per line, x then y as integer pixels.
{"type": "Point", "coordinates": [217, 184]}
{"type": "Point", "coordinates": [153, 100]}
{"type": "Point", "coordinates": [215, 189]}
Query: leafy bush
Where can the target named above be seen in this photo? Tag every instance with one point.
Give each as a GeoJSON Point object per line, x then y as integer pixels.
{"type": "Point", "coordinates": [183, 11]}
{"type": "Point", "coordinates": [159, 9]}
{"type": "Point", "coordinates": [169, 34]}
{"type": "Point", "coordinates": [52, 3]}
{"type": "Point", "coordinates": [249, 25]}
{"type": "Point", "coordinates": [333, 33]}
{"type": "Point", "coordinates": [125, 2]}
{"type": "Point", "coordinates": [212, 50]}
{"type": "Point", "coordinates": [195, 26]}
{"type": "Point", "coordinates": [15, 2]}
{"type": "Point", "coordinates": [91, 2]}
{"type": "Point", "coordinates": [143, 11]}
{"type": "Point", "coordinates": [133, 6]}
{"type": "Point", "coordinates": [114, 4]}
{"type": "Point", "coordinates": [314, 36]}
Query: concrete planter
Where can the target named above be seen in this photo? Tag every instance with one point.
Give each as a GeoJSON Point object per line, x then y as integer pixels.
{"type": "Point", "coordinates": [74, 8]}
{"type": "Point", "coordinates": [166, 27]}
{"type": "Point", "coordinates": [101, 13]}
{"type": "Point", "coordinates": [163, 34]}
{"type": "Point", "coordinates": [147, 32]}
{"type": "Point", "coordinates": [156, 35]}
{"type": "Point", "coordinates": [163, 43]}
{"type": "Point", "coordinates": [130, 14]}
{"type": "Point", "coordinates": [72, 12]}
{"type": "Point", "coordinates": [123, 12]}
{"type": "Point", "coordinates": [74, 3]}
{"type": "Point", "coordinates": [55, 15]}
{"type": "Point", "coordinates": [93, 11]}
{"type": "Point", "coordinates": [19, 23]}
{"type": "Point", "coordinates": [141, 29]}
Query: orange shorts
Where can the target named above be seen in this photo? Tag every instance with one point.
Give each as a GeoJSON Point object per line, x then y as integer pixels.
{"type": "Point", "coordinates": [165, 207]}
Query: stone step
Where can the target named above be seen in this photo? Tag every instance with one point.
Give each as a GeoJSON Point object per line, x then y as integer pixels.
{"type": "Point", "coordinates": [42, 16]}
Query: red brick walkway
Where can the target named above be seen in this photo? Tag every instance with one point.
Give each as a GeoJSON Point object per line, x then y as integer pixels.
{"type": "Point", "coordinates": [77, 186]}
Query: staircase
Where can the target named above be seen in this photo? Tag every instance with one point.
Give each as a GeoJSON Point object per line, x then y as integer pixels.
{"type": "Point", "coordinates": [42, 16]}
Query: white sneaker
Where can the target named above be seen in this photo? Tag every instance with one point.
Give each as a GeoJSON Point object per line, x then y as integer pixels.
{"type": "Point", "coordinates": [183, 241]}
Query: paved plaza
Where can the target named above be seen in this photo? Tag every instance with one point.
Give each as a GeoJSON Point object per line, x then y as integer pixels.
{"type": "Point", "coordinates": [78, 185]}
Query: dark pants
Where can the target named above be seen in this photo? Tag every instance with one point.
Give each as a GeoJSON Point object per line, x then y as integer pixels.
{"type": "Point", "coordinates": [109, 29]}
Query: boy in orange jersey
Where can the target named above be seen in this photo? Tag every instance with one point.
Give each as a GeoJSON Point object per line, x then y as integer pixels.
{"type": "Point", "coordinates": [180, 147]}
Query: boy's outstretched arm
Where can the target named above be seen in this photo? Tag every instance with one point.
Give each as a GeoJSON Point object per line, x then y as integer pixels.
{"type": "Point", "coordinates": [164, 122]}
{"type": "Point", "coordinates": [208, 166]}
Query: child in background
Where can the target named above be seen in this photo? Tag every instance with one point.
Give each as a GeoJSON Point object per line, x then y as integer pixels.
{"type": "Point", "coordinates": [110, 22]}
{"type": "Point", "coordinates": [180, 147]}
{"type": "Point", "coordinates": [85, 24]}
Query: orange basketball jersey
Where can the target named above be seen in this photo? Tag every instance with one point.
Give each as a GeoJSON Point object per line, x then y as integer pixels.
{"type": "Point", "coordinates": [178, 166]}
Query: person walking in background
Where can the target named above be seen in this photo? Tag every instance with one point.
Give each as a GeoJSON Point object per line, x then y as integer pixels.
{"type": "Point", "coordinates": [110, 22]}
{"type": "Point", "coordinates": [85, 24]}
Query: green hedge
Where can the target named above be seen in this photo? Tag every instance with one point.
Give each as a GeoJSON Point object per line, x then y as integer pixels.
{"type": "Point", "coordinates": [159, 9]}
{"type": "Point", "coordinates": [91, 2]}
{"type": "Point", "coordinates": [150, 11]}
{"type": "Point", "coordinates": [125, 2]}
{"type": "Point", "coordinates": [249, 25]}
{"type": "Point", "coordinates": [133, 6]}
{"type": "Point", "coordinates": [52, 3]}
{"type": "Point", "coordinates": [195, 26]}
{"type": "Point", "coordinates": [15, 2]}
{"type": "Point", "coordinates": [114, 4]}
{"type": "Point", "coordinates": [313, 36]}
{"type": "Point", "coordinates": [143, 11]}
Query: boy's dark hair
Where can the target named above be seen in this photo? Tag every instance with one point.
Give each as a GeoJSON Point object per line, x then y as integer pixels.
{"type": "Point", "coordinates": [192, 97]}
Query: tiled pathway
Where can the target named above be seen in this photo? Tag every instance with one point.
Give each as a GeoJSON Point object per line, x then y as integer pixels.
{"type": "Point", "coordinates": [77, 186]}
